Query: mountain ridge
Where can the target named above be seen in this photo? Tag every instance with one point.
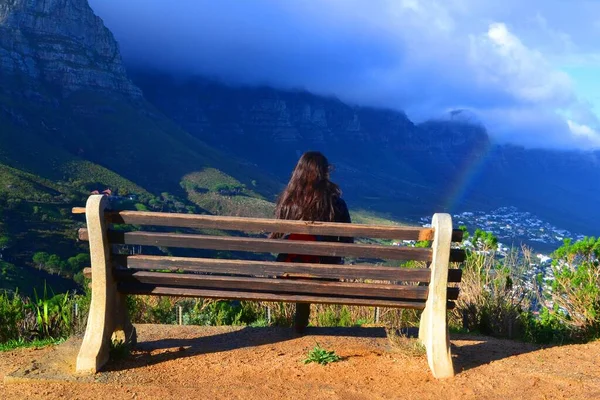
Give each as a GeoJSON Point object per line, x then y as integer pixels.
{"type": "Point", "coordinates": [446, 164]}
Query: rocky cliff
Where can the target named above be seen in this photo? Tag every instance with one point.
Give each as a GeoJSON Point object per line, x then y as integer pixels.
{"type": "Point", "coordinates": [272, 127]}
{"type": "Point", "coordinates": [62, 44]}
{"type": "Point", "coordinates": [216, 111]}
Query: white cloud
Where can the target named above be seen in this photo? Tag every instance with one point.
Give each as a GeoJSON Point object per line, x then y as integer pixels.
{"type": "Point", "coordinates": [500, 58]}
{"type": "Point", "coordinates": [585, 131]}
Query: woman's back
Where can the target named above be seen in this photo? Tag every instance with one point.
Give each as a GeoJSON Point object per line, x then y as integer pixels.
{"type": "Point", "coordinates": [311, 196]}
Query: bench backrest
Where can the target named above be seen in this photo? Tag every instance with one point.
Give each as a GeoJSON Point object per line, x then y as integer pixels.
{"type": "Point", "coordinates": [357, 284]}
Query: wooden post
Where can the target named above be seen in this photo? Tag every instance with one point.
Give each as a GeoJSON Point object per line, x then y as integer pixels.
{"type": "Point", "coordinates": [433, 329]}
{"type": "Point", "coordinates": [108, 312]}
{"type": "Point", "coordinates": [377, 315]}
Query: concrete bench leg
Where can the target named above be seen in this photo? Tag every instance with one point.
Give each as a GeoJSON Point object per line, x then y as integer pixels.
{"type": "Point", "coordinates": [108, 311]}
{"type": "Point", "coordinates": [124, 331]}
{"type": "Point", "coordinates": [433, 329]}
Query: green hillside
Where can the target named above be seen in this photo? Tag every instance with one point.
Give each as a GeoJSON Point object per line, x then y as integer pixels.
{"type": "Point", "coordinates": [53, 155]}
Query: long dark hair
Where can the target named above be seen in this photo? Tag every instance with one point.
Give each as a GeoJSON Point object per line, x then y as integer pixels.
{"type": "Point", "coordinates": [309, 195]}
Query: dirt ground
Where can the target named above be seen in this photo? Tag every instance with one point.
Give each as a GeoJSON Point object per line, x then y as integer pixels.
{"type": "Point", "coordinates": [266, 363]}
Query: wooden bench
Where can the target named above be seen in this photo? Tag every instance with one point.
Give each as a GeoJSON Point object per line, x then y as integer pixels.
{"type": "Point", "coordinates": [115, 276]}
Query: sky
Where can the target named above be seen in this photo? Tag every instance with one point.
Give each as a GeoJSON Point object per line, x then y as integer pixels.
{"type": "Point", "coordinates": [528, 70]}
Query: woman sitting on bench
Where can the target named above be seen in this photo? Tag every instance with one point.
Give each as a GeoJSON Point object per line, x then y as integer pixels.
{"type": "Point", "coordinates": [311, 196]}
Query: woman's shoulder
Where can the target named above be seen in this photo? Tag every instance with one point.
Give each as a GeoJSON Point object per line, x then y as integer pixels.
{"type": "Point", "coordinates": [340, 202]}
{"type": "Point", "coordinates": [341, 208]}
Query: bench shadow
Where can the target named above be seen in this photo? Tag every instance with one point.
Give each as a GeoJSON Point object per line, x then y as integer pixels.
{"type": "Point", "coordinates": [479, 350]}
{"type": "Point", "coordinates": [483, 350]}
{"type": "Point", "coordinates": [177, 348]}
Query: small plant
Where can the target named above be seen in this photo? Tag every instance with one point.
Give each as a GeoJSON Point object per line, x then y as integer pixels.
{"type": "Point", "coordinates": [321, 356]}
{"type": "Point", "coordinates": [361, 322]}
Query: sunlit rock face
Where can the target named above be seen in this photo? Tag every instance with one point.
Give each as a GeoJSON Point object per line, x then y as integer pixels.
{"type": "Point", "coordinates": [61, 44]}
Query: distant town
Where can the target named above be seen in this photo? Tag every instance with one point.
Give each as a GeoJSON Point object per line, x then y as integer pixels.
{"type": "Point", "coordinates": [512, 226]}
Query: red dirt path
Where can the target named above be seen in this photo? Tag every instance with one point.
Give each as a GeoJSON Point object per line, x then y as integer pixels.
{"type": "Point", "coordinates": [265, 363]}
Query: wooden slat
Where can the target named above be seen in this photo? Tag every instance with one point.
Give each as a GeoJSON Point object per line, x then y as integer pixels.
{"type": "Point", "coordinates": [270, 225]}
{"type": "Point", "coordinates": [295, 286]}
{"type": "Point", "coordinates": [458, 255]}
{"type": "Point", "coordinates": [457, 235]}
{"type": "Point", "coordinates": [136, 288]}
{"type": "Point", "coordinates": [259, 245]}
{"type": "Point", "coordinates": [271, 268]}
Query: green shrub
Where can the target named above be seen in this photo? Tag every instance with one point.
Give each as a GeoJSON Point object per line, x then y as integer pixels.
{"type": "Point", "coordinates": [327, 318]}
{"type": "Point", "coordinates": [227, 313]}
{"type": "Point", "coordinates": [493, 293]}
{"type": "Point", "coordinates": [151, 310]}
{"type": "Point", "coordinates": [21, 343]}
{"type": "Point", "coordinates": [11, 316]}
{"type": "Point", "coordinates": [259, 323]}
{"type": "Point", "coordinates": [164, 310]}
{"type": "Point", "coordinates": [24, 320]}
{"type": "Point", "coordinates": [543, 329]}
{"type": "Point", "coordinates": [574, 298]}
{"type": "Point", "coordinates": [52, 314]}
{"type": "Point", "coordinates": [140, 207]}
{"type": "Point", "coordinates": [78, 262]}
{"type": "Point", "coordinates": [282, 314]}
{"type": "Point", "coordinates": [335, 316]}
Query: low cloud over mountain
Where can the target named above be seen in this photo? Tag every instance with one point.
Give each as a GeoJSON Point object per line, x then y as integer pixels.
{"type": "Point", "coordinates": [518, 67]}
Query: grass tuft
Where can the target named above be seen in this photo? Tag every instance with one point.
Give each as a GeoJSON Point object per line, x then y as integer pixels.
{"type": "Point", "coordinates": [406, 345]}
{"type": "Point", "coordinates": [22, 343]}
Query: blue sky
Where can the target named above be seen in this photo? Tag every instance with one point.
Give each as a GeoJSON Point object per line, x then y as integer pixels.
{"type": "Point", "coordinates": [529, 70]}
{"type": "Point", "coordinates": [586, 81]}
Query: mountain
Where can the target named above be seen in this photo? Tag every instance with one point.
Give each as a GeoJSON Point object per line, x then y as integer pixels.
{"type": "Point", "coordinates": [71, 121]}
{"type": "Point", "coordinates": [378, 153]}
{"type": "Point", "coordinates": [62, 82]}
{"type": "Point", "coordinates": [61, 43]}
{"type": "Point", "coordinates": [383, 160]}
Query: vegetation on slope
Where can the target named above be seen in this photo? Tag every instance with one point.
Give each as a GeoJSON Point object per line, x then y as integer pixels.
{"type": "Point", "coordinates": [56, 151]}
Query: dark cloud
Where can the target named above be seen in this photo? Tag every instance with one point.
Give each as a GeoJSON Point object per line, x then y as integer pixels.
{"type": "Point", "coordinates": [425, 57]}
